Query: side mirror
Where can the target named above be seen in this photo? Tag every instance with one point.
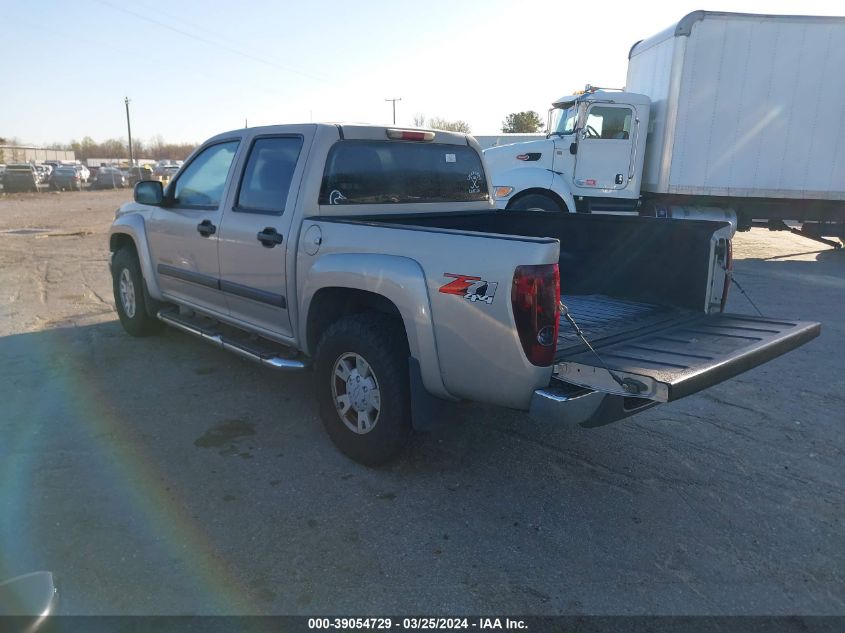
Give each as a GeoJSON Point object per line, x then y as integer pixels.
{"type": "Point", "coordinates": [149, 192]}
{"type": "Point", "coordinates": [573, 148]}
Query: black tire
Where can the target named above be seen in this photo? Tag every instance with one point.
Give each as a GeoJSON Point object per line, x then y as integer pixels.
{"type": "Point", "coordinates": [534, 201]}
{"type": "Point", "coordinates": [380, 340]}
{"type": "Point", "coordinates": [136, 315]}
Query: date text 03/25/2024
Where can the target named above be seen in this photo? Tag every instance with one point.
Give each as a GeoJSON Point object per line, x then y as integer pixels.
{"type": "Point", "coordinates": [416, 623]}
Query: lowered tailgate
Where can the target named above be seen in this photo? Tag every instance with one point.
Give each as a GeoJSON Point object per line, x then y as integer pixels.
{"type": "Point", "coordinates": [679, 356]}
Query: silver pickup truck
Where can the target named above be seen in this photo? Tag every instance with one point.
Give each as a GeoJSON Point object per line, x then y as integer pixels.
{"type": "Point", "coordinates": [375, 257]}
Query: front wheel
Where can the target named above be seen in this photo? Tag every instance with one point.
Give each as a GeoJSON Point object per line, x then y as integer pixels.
{"type": "Point", "coordinates": [129, 296]}
{"type": "Point", "coordinates": [361, 373]}
{"type": "Point", "coordinates": [535, 202]}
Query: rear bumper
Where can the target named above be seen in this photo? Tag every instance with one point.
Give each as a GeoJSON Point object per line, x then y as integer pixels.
{"type": "Point", "coordinates": [562, 404]}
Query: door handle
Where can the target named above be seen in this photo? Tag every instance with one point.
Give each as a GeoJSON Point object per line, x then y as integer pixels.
{"type": "Point", "coordinates": [269, 237]}
{"type": "Point", "coordinates": [206, 228]}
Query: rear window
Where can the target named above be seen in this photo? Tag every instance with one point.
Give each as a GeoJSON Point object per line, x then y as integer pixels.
{"type": "Point", "coordinates": [385, 172]}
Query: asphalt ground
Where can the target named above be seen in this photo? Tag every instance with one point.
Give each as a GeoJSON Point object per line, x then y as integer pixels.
{"type": "Point", "coordinates": [164, 476]}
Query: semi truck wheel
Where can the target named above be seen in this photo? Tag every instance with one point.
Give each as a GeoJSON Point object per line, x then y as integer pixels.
{"type": "Point", "coordinates": [129, 296]}
{"type": "Point", "coordinates": [535, 201]}
{"type": "Point", "coordinates": [361, 373]}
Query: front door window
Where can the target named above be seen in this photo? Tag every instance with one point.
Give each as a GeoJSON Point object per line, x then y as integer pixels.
{"type": "Point", "coordinates": [608, 123]}
{"type": "Point", "coordinates": [202, 182]}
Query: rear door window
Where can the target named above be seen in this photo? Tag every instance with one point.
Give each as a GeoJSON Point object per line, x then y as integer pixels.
{"type": "Point", "coordinates": [390, 172]}
{"type": "Point", "coordinates": [268, 174]}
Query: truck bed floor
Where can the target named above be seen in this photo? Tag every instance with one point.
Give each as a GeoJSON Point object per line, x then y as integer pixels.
{"type": "Point", "coordinates": [603, 319]}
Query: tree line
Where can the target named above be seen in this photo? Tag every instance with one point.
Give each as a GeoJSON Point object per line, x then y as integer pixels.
{"type": "Point", "coordinates": [155, 148]}
{"type": "Point", "coordinates": [516, 122]}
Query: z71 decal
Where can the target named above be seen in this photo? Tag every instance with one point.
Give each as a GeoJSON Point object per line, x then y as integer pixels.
{"type": "Point", "coordinates": [469, 287]}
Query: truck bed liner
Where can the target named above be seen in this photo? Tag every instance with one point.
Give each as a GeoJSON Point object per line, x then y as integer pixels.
{"type": "Point", "coordinates": [603, 319]}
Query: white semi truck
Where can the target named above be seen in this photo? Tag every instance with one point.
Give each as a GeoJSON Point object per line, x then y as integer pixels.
{"type": "Point", "coordinates": [724, 116]}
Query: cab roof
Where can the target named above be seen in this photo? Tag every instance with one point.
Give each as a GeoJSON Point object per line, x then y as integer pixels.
{"type": "Point", "coordinates": [357, 131]}
{"type": "Point", "coordinates": [604, 96]}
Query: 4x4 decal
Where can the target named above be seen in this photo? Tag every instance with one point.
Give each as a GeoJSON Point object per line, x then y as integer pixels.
{"type": "Point", "coordinates": [469, 287]}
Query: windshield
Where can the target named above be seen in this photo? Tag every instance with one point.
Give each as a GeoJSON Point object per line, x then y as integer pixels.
{"type": "Point", "coordinates": [563, 120]}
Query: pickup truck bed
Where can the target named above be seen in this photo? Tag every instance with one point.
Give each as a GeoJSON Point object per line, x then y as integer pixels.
{"type": "Point", "coordinates": [636, 287]}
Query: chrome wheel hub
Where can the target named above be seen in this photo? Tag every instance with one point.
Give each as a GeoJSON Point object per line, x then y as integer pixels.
{"type": "Point", "coordinates": [127, 293]}
{"type": "Point", "coordinates": [355, 392]}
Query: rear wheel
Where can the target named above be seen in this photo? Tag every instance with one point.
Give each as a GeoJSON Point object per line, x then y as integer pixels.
{"type": "Point", "coordinates": [535, 202]}
{"type": "Point", "coordinates": [129, 296]}
{"type": "Point", "coordinates": [361, 374]}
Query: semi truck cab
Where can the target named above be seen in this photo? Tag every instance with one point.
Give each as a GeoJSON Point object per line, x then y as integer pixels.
{"type": "Point", "coordinates": [591, 159]}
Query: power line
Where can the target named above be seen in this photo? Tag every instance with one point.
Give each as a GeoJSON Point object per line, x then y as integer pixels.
{"type": "Point", "coordinates": [212, 42]}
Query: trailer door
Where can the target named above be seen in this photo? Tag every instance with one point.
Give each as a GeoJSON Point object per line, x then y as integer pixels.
{"type": "Point", "coordinates": [605, 147]}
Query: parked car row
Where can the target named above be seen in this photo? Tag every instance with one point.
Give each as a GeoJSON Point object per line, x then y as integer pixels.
{"type": "Point", "coordinates": [73, 177]}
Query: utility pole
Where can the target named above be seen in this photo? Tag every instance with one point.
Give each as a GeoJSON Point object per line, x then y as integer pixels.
{"type": "Point", "coordinates": [129, 130]}
{"type": "Point", "coordinates": [394, 107]}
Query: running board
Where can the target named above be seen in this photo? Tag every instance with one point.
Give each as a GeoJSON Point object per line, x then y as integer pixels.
{"type": "Point", "coordinates": [251, 350]}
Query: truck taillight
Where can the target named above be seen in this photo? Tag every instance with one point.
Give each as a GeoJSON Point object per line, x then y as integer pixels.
{"type": "Point", "coordinates": [729, 264]}
{"type": "Point", "coordinates": [410, 135]}
{"type": "Point", "coordinates": [535, 297]}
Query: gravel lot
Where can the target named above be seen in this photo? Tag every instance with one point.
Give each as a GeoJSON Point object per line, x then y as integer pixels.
{"type": "Point", "coordinates": [163, 476]}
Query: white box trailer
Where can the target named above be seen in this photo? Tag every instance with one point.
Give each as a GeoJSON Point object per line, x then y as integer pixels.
{"type": "Point", "coordinates": [747, 110]}
{"type": "Point", "coordinates": [724, 116]}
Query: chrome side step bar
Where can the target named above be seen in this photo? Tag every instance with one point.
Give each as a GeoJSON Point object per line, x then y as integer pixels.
{"type": "Point", "coordinates": [270, 360]}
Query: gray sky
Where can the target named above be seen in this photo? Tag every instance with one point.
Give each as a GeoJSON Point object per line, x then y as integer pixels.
{"type": "Point", "coordinates": [193, 69]}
